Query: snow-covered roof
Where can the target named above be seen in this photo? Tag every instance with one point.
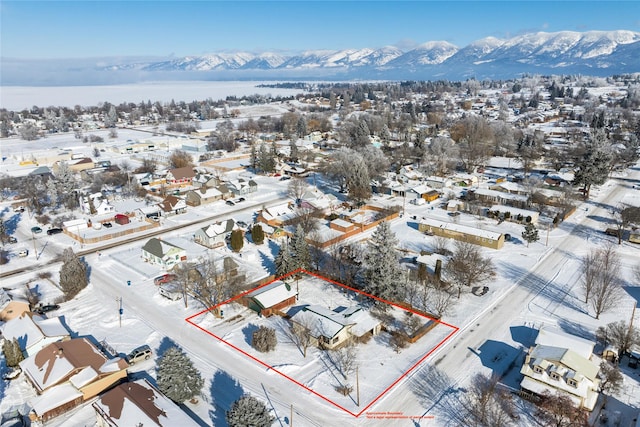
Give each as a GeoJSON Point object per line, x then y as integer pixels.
{"type": "Point", "coordinates": [515, 211]}
{"type": "Point", "coordinates": [328, 323]}
{"type": "Point", "coordinates": [31, 329]}
{"type": "Point", "coordinates": [465, 229]}
{"type": "Point", "coordinates": [273, 293]}
{"type": "Point", "coordinates": [553, 337]}
{"type": "Point", "coordinates": [501, 194]}
{"type": "Point", "coordinates": [54, 398]}
{"type": "Point", "coordinates": [219, 228]}
{"type": "Point", "coordinates": [139, 403]}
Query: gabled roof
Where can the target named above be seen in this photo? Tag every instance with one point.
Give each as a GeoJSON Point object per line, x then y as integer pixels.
{"type": "Point", "coordinates": [272, 294]}
{"type": "Point", "coordinates": [30, 329]}
{"type": "Point", "coordinates": [182, 173]}
{"type": "Point", "coordinates": [219, 228]}
{"type": "Point", "coordinates": [568, 358]}
{"type": "Point", "coordinates": [139, 403]}
{"type": "Point", "coordinates": [77, 358]}
{"type": "Point", "coordinates": [328, 323]}
{"type": "Point", "coordinates": [553, 337]}
{"type": "Point", "coordinates": [171, 203]}
{"type": "Point", "coordinates": [159, 247]}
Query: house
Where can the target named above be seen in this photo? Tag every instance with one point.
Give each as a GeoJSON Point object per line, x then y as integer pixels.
{"type": "Point", "coordinates": [438, 182]}
{"type": "Point", "coordinates": [67, 373]}
{"type": "Point", "coordinates": [499, 197]}
{"type": "Point", "coordinates": [138, 403]}
{"type": "Point", "coordinates": [172, 205]}
{"type": "Point", "coordinates": [422, 192]}
{"type": "Point", "coordinates": [157, 251]}
{"type": "Point", "coordinates": [241, 187]}
{"type": "Point", "coordinates": [202, 196]}
{"type": "Point", "coordinates": [271, 298]}
{"type": "Point", "coordinates": [332, 328]}
{"type": "Point", "coordinates": [214, 235]}
{"type": "Point", "coordinates": [34, 332]}
{"type": "Point", "coordinates": [465, 233]}
{"type": "Point", "coordinates": [11, 307]}
{"type": "Point", "coordinates": [180, 176]}
{"type": "Point", "coordinates": [275, 216]}
{"type": "Point", "coordinates": [562, 363]}
{"type": "Point", "coordinates": [95, 204]}
{"type": "Point", "coordinates": [151, 211]}
{"type": "Point", "coordinates": [295, 171]}
{"type": "Point", "coordinates": [515, 214]}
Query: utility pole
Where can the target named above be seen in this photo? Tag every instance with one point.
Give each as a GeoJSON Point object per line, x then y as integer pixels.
{"type": "Point", "coordinates": [291, 416]}
{"type": "Point", "coordinates": [120, 310]}
{"type": "Point", "coordinates": [357, 387]}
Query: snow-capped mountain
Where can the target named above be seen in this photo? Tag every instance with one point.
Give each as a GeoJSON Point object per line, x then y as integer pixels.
{"type": "Point", "coordinates": [561, 52]}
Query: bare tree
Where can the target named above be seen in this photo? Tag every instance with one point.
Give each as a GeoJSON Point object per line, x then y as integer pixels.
{"type": "Point", "coordinates": [307, 217]}
{"type": "Point", "coordinates": [467, 266]}
{"type": "Point", "coordinates": [264, 339]}
{"type": "Point", "coordinates": [623, 216]}
{"type": "Point", "coordinates": [605, 282]}
{"type": "Point", "coordinates": [345, 358]}
{"type": "Point", "coordinates": [610, 379]}
{"type": "Point", "coordinates": [184, 273]}
{"type": "Point", "coordinates": [180, 159]}
{"type": "Point", "coordinates": [558, 410]}
{"type": "Point", "coordinates": [590, 272]}
{"type": "Point", "coordinates": [488, 405]}
{"type": "Point", "coordinates": [296, 189]}
{"type": "Point", "coordinates": [210, 288]}
{"type": "Point", "coordinates": [301, 331]}
{"type": "Point", "coordinates": [619, 334]}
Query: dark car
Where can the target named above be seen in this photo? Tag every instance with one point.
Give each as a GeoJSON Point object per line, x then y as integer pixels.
{"type": "Point", "coordinates": [12, 239]}
{"type": "Point", "coordinates": [52, 231]}
{"type": "Point", "coordinates": [36, 230]}
{"type": "Point", "coordinates": [230, 203]}
{"type": "Point", "coordinates": [241, 199]}
{"type": "Point", "coordinates": [107, 224]}
{"type": "Point", "coordinates": [42, 309]}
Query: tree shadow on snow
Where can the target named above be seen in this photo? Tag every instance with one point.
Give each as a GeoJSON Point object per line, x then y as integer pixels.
{"type": "Point", "coordinates": [267, 263]}
{"type": "Point", "coordinates": [248, 332]}
{"type": "Point", "coordinates": [165, 345]}
{"type": "Point", "coordinates": [439, 395]}
{"type": "Point", "coordinates": [224, 391]}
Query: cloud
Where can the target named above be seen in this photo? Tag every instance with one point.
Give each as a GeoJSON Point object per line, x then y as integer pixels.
{"type": "Point", "coordinates": [406, 44]}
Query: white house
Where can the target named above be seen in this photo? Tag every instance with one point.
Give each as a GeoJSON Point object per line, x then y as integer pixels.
{"type": "Point", "coordinates": [562, 363]}
{"type": "Point", "coordinates": [34, 332]}
{"type": "Point", "coordinates": [331, 328]}
{"type": "Point", "coordinates": [95, 204]}
{"type": "Point", "coordinates": [214, 235]}
{"type": "Point", "coordinates": [157, 251]}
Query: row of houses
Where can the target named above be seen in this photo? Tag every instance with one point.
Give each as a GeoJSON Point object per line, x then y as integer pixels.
{"type": "Point", "coordinates": [68, 372]}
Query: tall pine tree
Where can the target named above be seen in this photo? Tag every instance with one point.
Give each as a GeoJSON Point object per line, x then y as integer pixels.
{"type": "Point", "coordinates": [595, 163]}
{"type": "Point", "coordinates": [249, 412]}
{"type": "Point", "coordinates": [381, 268]}
{"type": "Point", "coordinates": [283, 261]}
{"type": "Point", "coordinates": [178, 379]}
{"type": "Point", "coordinates": [300, 255]}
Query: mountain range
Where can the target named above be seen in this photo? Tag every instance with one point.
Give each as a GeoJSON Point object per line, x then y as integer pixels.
{"type": "Point", "coordinates": [566, 52]}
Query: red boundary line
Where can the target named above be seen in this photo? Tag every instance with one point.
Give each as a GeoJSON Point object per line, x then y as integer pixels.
{"type": "Point", "coordinates": [326, 279]}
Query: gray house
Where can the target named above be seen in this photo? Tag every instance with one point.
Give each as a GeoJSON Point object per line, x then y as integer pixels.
{"type": "Point", "coordinates": [240, 187]}
{"type": "Point", "coordinates": [214, 235]}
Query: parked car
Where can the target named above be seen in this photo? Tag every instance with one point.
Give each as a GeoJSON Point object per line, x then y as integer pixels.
{"type": "Point", "coordinates": [241, 199]}
{"type": "Point", "coordinates": [165, 278]}
{"type": "Point", "coordinates": [53, 231]}
{"type": "Point", "coordinates": [18, 209]}
{"type": "Point", "coordinates": [141, 353]}
{"type": "Point", "coordinates": [12, 239]}
{"type": "Point", "coordinates": [230, 203]}
{"type": "Point", "coordinates": [285, 178]}
{"type": "Point", "coordinates": [23, 252]}
{"type": "Point", "coordinates": [241, 224]}
{"type": "Point", "coordinates": [107, 224]}
{"type": "Point", "coordinates": [42, 309]}
{"type": "Point", "coordinates": [36, 230]}
{"type": "Point", "coordinates": [454, 213]}
{"type": "Point", "coordinates": [171, 291]}
{"type": "Point", "coordinates": [12, 374]}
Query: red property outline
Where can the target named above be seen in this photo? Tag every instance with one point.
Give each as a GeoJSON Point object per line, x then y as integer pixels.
{"type": "Point", "coordinates": [415, 365]}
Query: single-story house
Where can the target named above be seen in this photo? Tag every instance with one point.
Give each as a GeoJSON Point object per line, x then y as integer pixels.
{"type": "Point", "coordinates": [95, 204]}
{"type": "Point", "coordinates": [499, 197]}
{"type": "Point", "coordinates": [271, 298]}
{"type": "Point", "coordinates": [34, 332]}
{"type": "Point", "coordinates": [423, 192]}
{"type": "Point", "coordinates": [515, 214]}
{"type": "Point", "coordinates": [151, 211]}
{"type": "Point", "coordinates": [172, 205]}
{"type": "Point", "coordinates": [275, 215]}
{"type": "Point", "coordinates": [157, 251]}
{"type": "Point", "coordinates": [437, 182]}
{"type": "Point", "coordinates": [214, 235]}
{"type": "Point", "coordinates": [11, 307]}
{"type": "Point", "coordinates": [138, 403]}
{"type": "Point", "coordinates": [202, 196]}
{"type": "Point", "coordinates": [67, 373]}
{"type": "Point", "coordinates": [465, 233]}
{"type": "Point", "coordinates": [332, 328]}
{"type": "Point", "coordinates": [180, 176]}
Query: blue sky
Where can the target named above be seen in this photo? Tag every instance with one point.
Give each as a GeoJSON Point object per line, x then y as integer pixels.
{"type": "Point", "coordinates": [89, 29]}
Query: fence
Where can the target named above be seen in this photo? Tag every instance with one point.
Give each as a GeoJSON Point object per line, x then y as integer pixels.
{"type": "Point", "coordinates": [84, 240]}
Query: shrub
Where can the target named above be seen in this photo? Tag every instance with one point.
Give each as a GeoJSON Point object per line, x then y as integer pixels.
{"type": "Point", "coordinates": [257, 234]}
{"type": "Point", "coordinates": [264, 339]}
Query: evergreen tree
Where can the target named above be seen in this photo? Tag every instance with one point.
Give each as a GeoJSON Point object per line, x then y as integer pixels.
{"type": "Point", "coordinates": [249, 412]}
{"type": "Point", "coordinates": [266, 161]}
{"type": "Point", "coordinates": [358, 181]}
{"type": "Point", "coordinates": [254, 158]}
{"type": "Point", "coordinates": [237, 240]}
{"type": "Point", "coordinates": [178, 379]}
{"type": "Point", "coordinates": [293, 151]}
{"type": "Point", "coordinates": [381, 267]}
{"type": "Point", "coordinates": [257, 234]}
{"type": "Point", "coordinates": [300, 255]}
{"type": "Point", "coordinates": [264, 339]}
{"type": "Point", "coordinates": [594, 166]}
{"type": "Point", "coordinates": [283, 261]}
{"type": "Point", "coordinates": [301, 127]}
{"type": "Point", "coordinates": [73, 274]}
{"type": "Point", "coordinates": [530, 233]}
{"type": "Point", "coordinates": [12, 352]}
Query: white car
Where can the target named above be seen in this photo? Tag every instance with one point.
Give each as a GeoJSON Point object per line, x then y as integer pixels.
{"type": "Point", "coordinates": [23, 252]}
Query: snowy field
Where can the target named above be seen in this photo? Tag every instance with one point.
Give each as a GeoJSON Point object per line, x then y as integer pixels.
{"type": "Point", "coordinates": [17, 98]}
